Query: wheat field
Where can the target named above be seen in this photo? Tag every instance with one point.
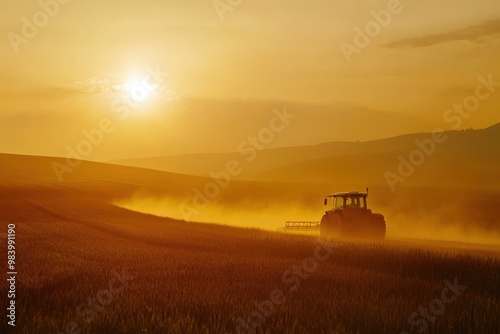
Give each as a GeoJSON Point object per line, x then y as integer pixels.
{"type": "Point", "coordinates": [178, 277]}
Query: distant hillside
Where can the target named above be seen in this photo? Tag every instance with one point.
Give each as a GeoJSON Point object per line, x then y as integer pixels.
{"type": "Point", "coordinates": [364, 162]}
{"type": "Point", "coordinates": [464, 159]}
{"type": "Point", "coordinates": [202, 164]}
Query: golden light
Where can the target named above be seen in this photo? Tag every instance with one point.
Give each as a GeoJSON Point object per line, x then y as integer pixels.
{"type": "Point", "coordinates": [139, 90]}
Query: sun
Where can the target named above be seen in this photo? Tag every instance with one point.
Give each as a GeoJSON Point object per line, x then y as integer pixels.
{"type": "Point", "coordinates": [144, 91]}
{"type": "Point", "coordinates": [141, 87]}
{"type": "Point", "coordinates": [139, 90]}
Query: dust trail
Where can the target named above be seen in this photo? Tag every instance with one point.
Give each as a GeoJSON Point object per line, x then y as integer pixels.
{"type": "Point", "coordinates": [446, 223]}
{"type": "Point", "coordinates": [245, 213]}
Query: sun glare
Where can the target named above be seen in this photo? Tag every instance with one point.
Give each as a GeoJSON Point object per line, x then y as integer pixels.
{"type": "Point", "coordinates": [141, 88]}
{"type": "Point", "coordinates": [138, 90]}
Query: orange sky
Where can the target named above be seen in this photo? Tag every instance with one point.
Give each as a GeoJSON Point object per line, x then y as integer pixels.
{"type": "Point", "coordinates": [63, 78]}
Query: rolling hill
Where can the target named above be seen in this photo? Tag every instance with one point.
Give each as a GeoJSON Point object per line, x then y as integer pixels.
{"type": "Point", "coordinates": [366, 162]}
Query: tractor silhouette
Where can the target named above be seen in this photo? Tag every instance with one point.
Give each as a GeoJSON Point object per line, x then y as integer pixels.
{"type": "Point", "coordinates": [351, 218]}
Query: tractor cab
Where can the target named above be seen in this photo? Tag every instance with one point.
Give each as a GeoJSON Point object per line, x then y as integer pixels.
{"type": "Point", "coordinates": [348, 200]}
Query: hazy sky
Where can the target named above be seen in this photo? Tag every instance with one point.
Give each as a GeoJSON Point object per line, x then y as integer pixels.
{"type": "Point", "coordinates": [63, 77]}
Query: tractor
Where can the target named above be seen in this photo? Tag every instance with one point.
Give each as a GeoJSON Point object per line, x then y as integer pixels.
{"type": "Point", "coordinates": [351, 218]}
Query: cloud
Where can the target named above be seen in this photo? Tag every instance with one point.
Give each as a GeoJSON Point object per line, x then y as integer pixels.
{"type": "Point", "coordinates": [93, 85]}
{"type": "Point", "coordinates": [479, 33]}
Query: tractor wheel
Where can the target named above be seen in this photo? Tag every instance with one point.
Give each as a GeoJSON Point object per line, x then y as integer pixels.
{"type": "Point", "coordinates": [325, 228]}
{"type": "Point", "coordinates": [378, 227]}
{"type": "Point", "coordinates": [337, 229]}
{"type": "Point", "coordinates": [330, 227]}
